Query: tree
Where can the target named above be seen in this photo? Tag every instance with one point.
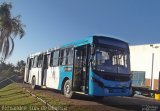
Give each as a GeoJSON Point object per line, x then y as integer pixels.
{"type": "Point", "coordinates": [6, 69]}
{"type": "Point", "coordinates": [21, 67]}
{"type": "Point", "coordinates": [10, 27]}
{"type": "Point", "coordinates": [21, 64]}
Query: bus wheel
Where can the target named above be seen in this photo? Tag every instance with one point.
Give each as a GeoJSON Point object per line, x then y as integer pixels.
{"type": "Point", "coordinates": [67, 88]}
{"type": "Point", "coordinates": [33, 83]}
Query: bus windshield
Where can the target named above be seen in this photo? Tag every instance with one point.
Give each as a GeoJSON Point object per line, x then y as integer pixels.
{"type": "Point", "coordinates": [112, 60]}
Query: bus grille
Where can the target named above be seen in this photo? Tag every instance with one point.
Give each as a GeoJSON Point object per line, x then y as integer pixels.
{"type": "Point", "coordinates": [113, 76]}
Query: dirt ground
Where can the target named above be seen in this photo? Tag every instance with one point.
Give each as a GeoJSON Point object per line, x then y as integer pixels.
{"type": "Point", "coordinates": [136, 103]}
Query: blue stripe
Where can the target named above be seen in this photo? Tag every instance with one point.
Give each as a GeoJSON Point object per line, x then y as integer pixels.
{"type": "Point", "coordinates": [64, 74]}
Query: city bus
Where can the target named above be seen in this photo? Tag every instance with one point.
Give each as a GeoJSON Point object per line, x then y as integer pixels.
{"type": "Point", "coordinates": [97, 66]}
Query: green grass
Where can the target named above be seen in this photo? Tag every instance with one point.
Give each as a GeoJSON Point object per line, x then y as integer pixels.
{"type": "Point", "coordinates": [13, 94]}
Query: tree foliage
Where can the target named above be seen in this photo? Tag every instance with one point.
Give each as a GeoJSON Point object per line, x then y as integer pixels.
{"type": "Point", "coordinates": [8, 69]}
{"type": "Point", "coordinates": [21, 67]}
{"type": "Point", "coordinates": [10, 27]}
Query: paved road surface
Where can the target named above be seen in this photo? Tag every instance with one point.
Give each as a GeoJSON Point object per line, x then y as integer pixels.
{"type": "Point", "coordinates": [107, 104]}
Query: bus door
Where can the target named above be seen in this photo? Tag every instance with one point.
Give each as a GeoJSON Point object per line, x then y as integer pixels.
{"type": "Point", "coordinates": [27, 69]}
{"type": "Point", "coordinates": [44, 69]}
{"type": "Point", "coordinates": [81, 70]}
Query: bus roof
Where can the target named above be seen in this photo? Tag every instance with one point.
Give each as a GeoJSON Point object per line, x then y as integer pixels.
{"type": "Point", "coordinates": [92, 39]}
{"type": "Point", "coordinates": [84, 41]}
{"type": "Point", "coordinates": [87, 40]}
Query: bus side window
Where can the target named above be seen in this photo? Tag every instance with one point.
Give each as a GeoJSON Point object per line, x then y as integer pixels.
{"type": "Point", "coordinates": [61, 57]}
{"type": "Point", "coordinates": [51, 59]}
{"type": "Point", "coordinates": [45, 61]}
{"type": "Point", "coordinates": [69, 56]}
{"type": "Point", "coordinates": [32, 62]}
{"type": "Point", "coordinates": [55, 58]}
{"type": "Point", "coordinates": [35, 61]}
{"type": "Point", "coordinates": [29, 63]}
{"type": "Point", "coordinates": [48, 58]}
{"type": "Point", "coordinates": [40, 59]}
{"type": "Point", "coordinates": [64, 57]}
{"type": "Point", "coordinates": [28, 59]}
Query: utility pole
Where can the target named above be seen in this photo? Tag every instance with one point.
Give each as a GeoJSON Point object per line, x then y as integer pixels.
{"type": "Point", "coordinates": [152, 68]}
{"type": "Point", "coordinates": [152, 71]}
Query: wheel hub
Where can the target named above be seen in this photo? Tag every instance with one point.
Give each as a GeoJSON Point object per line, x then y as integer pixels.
{"type": "Point", "coordinates": [67, 89]}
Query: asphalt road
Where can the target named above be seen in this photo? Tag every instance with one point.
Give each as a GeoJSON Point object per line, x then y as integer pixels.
{"type": "Point", "coordinates": [136, 103]}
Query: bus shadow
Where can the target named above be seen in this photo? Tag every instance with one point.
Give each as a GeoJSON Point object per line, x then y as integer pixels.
{"type": "Point", "coordinates": [107, 101]}
{"type": "Point", "coordinates": [5, 83]}
{"type": "Point", "coordinates": [126, 103]}
{"type": "Point", "coordinates": [49, 89]}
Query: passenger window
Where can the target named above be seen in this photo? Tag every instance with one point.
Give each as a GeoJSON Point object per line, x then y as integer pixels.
{"type": "Point", "coordinates": [70, 56]}
{"type": "Point", "coordinates": [55, 58]}
{"type": "Point", "coordinates": [40, 60]}
{"type": "Point", "coordinates": [45, 61]}
{"type": "Point", "coordinates": [48, 57]}
{"type": "Point", "coordinates": [51, 59]}
{"type": "Point", "coordinates": [64, 57]}
{"type": "Point", "coordinates": [35, 61]}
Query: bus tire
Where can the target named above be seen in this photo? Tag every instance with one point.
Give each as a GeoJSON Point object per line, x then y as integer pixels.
{"type": "Point", "coordinates": [67, 89]}
{"type": "Point", "coordinates": [33, 83]}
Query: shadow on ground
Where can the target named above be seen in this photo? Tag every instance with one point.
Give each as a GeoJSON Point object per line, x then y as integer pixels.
{"type": "Point", "coordinates": [5, 82]}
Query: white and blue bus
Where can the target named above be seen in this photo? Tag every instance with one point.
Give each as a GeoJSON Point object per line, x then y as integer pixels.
{"type": "Point", "coordinates": [98, 66]}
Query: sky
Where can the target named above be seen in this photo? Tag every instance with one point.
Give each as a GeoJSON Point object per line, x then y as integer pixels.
{"type": "Point", "coordinates": [51, 23]}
